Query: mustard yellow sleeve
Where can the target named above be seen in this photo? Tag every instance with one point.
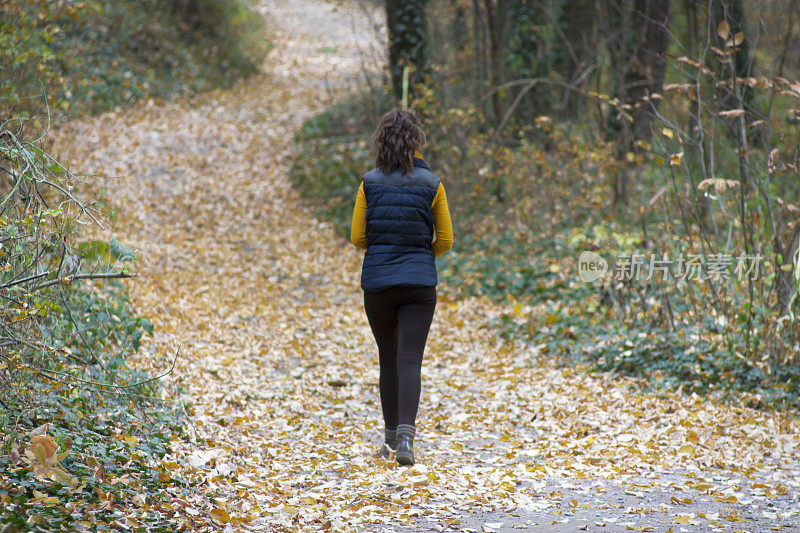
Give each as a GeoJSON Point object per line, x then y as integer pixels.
{"type": "Point", "coordinates": [358, 229]}
{"type": "Point", "coordinates": [441, 222]}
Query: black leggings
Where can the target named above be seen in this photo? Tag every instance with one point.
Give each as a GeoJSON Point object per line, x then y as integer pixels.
{"type": "Point", "coordinates": [400, 318]}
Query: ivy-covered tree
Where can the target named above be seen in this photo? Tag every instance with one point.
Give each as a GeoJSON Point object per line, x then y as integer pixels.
{"type": "Point", "coordinates": [523, 55]}
{"type": "Point", "coordinates": [405, 20]}
{"type": "Point", "coordinates": [646, 73]}
{"type": "Point", "coordinates": [496, 12]}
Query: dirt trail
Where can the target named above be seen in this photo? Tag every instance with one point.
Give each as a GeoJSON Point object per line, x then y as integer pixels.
{"type": "Point", "coordinates": [278, 368]}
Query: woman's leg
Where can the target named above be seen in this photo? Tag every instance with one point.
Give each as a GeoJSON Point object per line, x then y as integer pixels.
{"type": "Point", "coordinates": [381, 309]}
{"type": "Point", "coordinates": [414, 317]}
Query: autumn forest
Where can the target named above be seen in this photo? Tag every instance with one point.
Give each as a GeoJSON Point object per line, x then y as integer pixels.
{"type": "Point", "coordinates": [183, 338]}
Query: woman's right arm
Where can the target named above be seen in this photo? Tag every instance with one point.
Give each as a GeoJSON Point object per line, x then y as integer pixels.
{"type": "Point", "coordinates": [358, 229]}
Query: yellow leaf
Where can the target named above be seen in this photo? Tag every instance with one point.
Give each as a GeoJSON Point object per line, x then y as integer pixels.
{"type": "Point", "coordinates": [64, 477]}
{"type": "Point", "coordinates": [43, 447]}
{"type": "Point", "coordinates": [50, 501]}
{"type": "Point", "coordinates": [724, 30]}
{"type": "Point", "coordinates": [220, 516]}
{"type": "Point", "coordinates": [39, 453]}
{"type": "Point", "coordinates": [667, 132]}
{"type": "Point", "coordinates": [687, 449]}
{"type": "Point", "coordinates": [719, 184]}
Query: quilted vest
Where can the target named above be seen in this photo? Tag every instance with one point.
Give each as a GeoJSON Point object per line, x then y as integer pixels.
{"type": "Point", "coordinates": [399, 228]}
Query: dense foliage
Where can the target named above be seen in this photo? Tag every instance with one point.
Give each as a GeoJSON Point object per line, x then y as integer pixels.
{"type": "Point", "coordinates": [80, 428]}
{"type": "Point", "coordinates": [66, 332]}
{"type": "Point", "coordinates": [89, 55]}
{"type": "Point", "coordinates": [714, 178]}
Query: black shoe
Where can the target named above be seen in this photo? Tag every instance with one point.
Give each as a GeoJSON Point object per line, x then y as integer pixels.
{"type": "Point", "coordinates": [405, 450]}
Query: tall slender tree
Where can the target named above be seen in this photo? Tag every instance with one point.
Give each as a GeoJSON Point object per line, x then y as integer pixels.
{"type": "Point", "coordinates": [697, 149]}
{"type": "Point", "coordinates": [408, 41]}
{"type": "Point", "coordinates": [638, 55]}
{"type": "Point", "coordinates": [522, 56]}
{"type": "Point", "coordinates": [574, 49]}
{"type": "Point", "coordinates": [496, 22]}
{"type": "Point", "coordinates": [728, 34]}
{"type": "Point", "coordinates": [646, 73]}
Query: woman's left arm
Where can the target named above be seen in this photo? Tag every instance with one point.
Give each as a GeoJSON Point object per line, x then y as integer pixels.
{"type": "Point", "coordinates": [358, 228]}
{"type": "Point", "coordinates": [441, 223]}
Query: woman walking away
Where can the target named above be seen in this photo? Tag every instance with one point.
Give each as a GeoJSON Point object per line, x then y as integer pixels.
{"type": "Point", "coordinates": [400, 207]}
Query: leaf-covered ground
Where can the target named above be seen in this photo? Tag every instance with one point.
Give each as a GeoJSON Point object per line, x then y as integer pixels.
{"type": "Point", "coordinates": [278, 369]}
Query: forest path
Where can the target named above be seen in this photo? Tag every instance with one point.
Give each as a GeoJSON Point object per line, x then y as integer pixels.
{"type": "Point", "coordinates": [277, 365]}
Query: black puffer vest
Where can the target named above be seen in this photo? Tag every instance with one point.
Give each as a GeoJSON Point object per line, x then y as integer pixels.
{"type": "Point", "coordinates": [399, 228]}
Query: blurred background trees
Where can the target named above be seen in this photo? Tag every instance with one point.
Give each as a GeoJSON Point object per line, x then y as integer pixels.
{"type": "Point", "coordinates": [90, 55]}
{"type": "Point", "coordinates": [652, 129]}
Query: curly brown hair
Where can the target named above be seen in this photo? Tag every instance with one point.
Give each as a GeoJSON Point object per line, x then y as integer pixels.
{"type": "Point", "coordinates": [398, 136]}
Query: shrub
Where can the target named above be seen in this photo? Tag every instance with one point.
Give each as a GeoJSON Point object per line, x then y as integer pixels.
{"type": "Point", "coordinates": [91, 55]}
{"type": "Point", "coordinates": [60, 334]}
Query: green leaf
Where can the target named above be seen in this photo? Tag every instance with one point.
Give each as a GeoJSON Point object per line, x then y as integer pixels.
{"type": "Point", "coordinates": [120, 251]}
{"type": "Point", "coordinates": [91, 250]}
{"type": "Point", "coordinates": [147, 325]}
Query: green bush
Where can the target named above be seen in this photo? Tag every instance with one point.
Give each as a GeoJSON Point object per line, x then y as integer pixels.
{"type": "Point", "coordinates": [91, 55]}
{"type": "Point", "coordinates": [67, 330]}
{"type": "Point", "coordinates": [235, 33]}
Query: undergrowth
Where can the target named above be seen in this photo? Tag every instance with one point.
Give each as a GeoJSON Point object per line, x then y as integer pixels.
{"type": "Point", "coordinates": [89, 56]}
{"type": "Point", "coordinates": [522, 214]}
{"type": "Point", "coordinates": [81, 430]}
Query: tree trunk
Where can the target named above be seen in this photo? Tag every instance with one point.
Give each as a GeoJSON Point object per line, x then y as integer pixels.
{"type": "Point", "coordinates": [405, 20]}
{"type": "Point", "coordinates": [646, 75]}
{"type": "Point", "coordinates": [575, 51]}
{"type": "Point", "coordinates": [730, 11]}
{"type": "Point", "coordinates": [522, 48]}
{"type": "Point", "coordinates": [697, 150]}
{"type": "Point", "coordinates": [479, 52]}
{"type": "Point", "coordinates": [496, 24]}
{"type": "Point", "coordinates": [638, 58]}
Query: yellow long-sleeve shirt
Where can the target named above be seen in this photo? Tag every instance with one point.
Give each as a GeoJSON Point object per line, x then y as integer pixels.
{"type": "Point", "coordinates": [441, 216]}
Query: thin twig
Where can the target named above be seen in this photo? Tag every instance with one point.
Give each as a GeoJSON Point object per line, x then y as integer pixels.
{"type": "Point", "coordinates": [69, 279]}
